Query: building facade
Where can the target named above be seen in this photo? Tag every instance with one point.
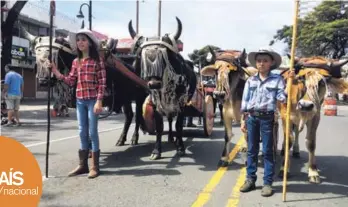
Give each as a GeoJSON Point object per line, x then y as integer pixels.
{"type": "Point", "coordinates": [34, 19]}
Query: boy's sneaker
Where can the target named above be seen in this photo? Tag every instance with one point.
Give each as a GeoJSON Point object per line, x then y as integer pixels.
{"type": "Point", "coordinates": [266, 191]}
{"type": "Point", "coordinates": [248, 186]}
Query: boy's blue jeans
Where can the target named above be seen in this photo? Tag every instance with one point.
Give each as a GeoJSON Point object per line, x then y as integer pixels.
{"type": "Point", "coordinates": [256, 126]}
{"type": "Point", "coordinates": [88, 123]}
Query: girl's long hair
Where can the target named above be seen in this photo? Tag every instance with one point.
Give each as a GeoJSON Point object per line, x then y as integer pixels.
{"type": "Point", "coordinates": [92, 51]}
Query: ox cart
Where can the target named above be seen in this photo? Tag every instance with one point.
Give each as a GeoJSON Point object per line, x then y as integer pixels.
{"type": "Point", "coordinates": [201, 105]}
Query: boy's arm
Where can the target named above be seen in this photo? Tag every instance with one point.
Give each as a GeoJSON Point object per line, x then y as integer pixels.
{"type": "Point", "coordinates": [281, 93]}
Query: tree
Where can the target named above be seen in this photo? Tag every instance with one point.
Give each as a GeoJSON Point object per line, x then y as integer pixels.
{"type": "Point", "coordinates": [6, 33]}
{"type": "Point", "coordinates": [322, 32]}
{"type": "Point", "coordinates": [199, 56]}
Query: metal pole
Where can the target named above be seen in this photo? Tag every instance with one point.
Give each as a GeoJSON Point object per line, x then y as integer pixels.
{"type": "Point", "coordinates": [52, 13]}
{"type": "Point", "coordinates": [288, 106]}
{"type": "Point", "coordinates": [159, 17]}
{"type": "Point", "coordinates": [90, 15]}
{"type": "Point", "coordinates": [137, 16]}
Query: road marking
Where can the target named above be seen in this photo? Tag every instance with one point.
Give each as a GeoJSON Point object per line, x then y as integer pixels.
{"type": "Point", "coordinates": [235, 195]}
{"type": "Point", "coordinates": [205, 195]}
{"type": "Point", "coordinates": [71, 137]}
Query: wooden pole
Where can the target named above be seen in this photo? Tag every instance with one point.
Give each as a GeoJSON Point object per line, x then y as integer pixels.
{"type": "Point", "coordinates": [288, 107]}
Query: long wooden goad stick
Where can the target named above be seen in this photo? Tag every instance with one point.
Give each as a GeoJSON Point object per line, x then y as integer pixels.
{"type": "Point", "coordinates": [288, 106]}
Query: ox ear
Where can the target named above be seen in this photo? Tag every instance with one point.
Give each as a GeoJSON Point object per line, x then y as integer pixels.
{"type": "Point", "coordinates": [338, 85]}
{"type": "Point", "coordinates": [111, 44]}
{"type": "Point", "coordinates": [209, 70]}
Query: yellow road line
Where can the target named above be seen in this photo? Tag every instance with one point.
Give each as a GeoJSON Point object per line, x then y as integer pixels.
{"type": "Point", "coordinates": [205, 195]}
{"type": "Point", "coordinates": [234, 198]}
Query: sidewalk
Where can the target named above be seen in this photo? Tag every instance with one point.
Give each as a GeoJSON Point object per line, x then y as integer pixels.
{"type": "Point", "coordinates": [34, 105]}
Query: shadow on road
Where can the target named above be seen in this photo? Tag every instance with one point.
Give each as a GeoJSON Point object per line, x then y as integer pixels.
{"type": "Point", "coordinates": [333, 173]}
{"type": "Point", "coordinates": [204, 154]}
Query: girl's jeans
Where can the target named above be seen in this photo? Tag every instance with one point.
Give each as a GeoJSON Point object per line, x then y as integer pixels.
{"type": "Point", "coordinates": [260, 126]}
{"type": "Point", "coordinates": [88, 123]}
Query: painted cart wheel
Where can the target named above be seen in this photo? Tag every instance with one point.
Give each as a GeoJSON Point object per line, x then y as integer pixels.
{"type": "Point", "coordinates": [208, 115]}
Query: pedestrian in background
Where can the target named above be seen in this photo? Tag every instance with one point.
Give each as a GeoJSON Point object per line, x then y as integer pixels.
{"type": "Point", "coordinates": [89, 72]}
{"type": "Point", "coordinates": [13, 92]}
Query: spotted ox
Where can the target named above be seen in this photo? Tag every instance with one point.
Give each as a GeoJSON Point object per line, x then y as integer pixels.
{"type": "Point", "coordinates": [314, 76]}
{"type": "Point", "coordinates": [231, 70]}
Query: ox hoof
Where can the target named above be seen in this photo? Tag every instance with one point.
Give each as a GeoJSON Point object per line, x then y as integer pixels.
{"type": "Point", "coordinates": [155, 156]}
{"type": "Point", "coordinates": [314, 179]}
{"type": "Point", "coordinates": [222, 163]}
{"type": "Point", "coordinates": [296, 155]}
{"type": "Point", "coordinates": [171, 139]}
{"type": "Point", "coordinates": [180, 152]}
{"type": "Point", "coordinates": [281, 174]}
{"type": "Point", "coordinates": [134, 142]}
{"type": "Point", "coordinates": [120, 142]}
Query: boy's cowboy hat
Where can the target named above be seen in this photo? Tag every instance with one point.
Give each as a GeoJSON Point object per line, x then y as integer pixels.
{"type": "Point", "coordinates": [87, 32]}
{"type": "Point", "coordinates": [276, 57]}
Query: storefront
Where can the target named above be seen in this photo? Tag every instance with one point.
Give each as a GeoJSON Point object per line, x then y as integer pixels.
{"type": "Point", "coordinates": [25, 66]}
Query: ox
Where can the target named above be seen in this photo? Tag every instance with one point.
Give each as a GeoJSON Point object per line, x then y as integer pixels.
{"type": "Point", "coordinates": [231, 69]}
{"type": "Point", "coordinates": [119, 92]}
{"type": "Point", "coordinates": [314, 76]}
{"type": "Point", "coordinates": [170, 79]}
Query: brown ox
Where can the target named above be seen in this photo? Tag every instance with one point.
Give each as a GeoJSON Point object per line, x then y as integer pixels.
{"type": "Point", "coordinates": [315, 75]}
{"type": "Point", "coordinates": [229, 66]}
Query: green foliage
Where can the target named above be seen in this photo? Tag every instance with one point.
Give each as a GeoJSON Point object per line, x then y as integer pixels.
{"type": "Point", "coordinates": [322, 32]}
{"type": "Point", "coordinates": [200, 55]}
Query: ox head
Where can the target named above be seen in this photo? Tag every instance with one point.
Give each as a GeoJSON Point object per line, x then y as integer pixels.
{"type": "Point", "coordinates": [314, 77]}
{"type": "Point", "coordinates": [40, 47]}
{"type": "Point", "coordinates": [107, 47]}
{"type": "Point", "coordinates": [156, 54]}
{"type": "Point", "coordinates": [228, 67]}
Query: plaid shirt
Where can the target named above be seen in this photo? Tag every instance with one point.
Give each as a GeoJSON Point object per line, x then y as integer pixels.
{"type": "Point", "coordinates": [90, 76]}
{"type": "Point", "coordinates": [262, 95]}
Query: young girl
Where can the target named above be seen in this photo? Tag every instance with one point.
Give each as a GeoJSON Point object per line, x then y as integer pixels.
{"type": "Point", "coordinates": [89, 73]}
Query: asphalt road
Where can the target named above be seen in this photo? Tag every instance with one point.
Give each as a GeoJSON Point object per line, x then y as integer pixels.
{"type": "Point", "coordinates": [130, 178]}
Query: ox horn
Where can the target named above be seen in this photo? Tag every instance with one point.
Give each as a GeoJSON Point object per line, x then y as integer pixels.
{"type": "Point", "coordinates": [213, 58]}
{"type": "Point", "coordinates": [243, 54]}
{"type": "Point", "coordinates": [339, 64]}
{"type": "Point", "coordinates": [179, 29]}
{"type": "Point", "coordinates": [26, 34]}
{"type": "Point", "coordinates": [131, 30]}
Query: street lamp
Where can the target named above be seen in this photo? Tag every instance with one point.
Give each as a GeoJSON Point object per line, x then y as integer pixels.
{"type": "Point", "coordinates": [80, 14]}
{"type": "Point", "coordinates": [159, 17]}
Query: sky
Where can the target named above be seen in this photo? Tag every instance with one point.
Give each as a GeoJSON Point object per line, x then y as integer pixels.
{"type": "Point", "coordinates": [232, 24]}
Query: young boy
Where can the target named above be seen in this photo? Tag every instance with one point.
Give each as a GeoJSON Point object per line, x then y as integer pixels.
{"type": "Point", "coordinates": [260, 95]}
